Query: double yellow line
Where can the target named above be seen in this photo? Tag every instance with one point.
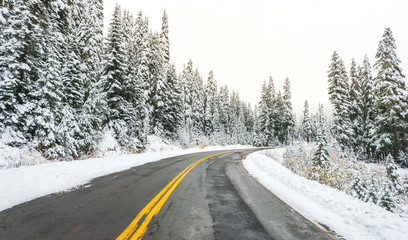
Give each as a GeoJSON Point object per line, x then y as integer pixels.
{"type": "Point", "coordinates": [136, 231]}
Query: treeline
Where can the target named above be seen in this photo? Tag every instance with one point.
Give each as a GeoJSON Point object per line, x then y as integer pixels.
{"type": "Point", "coordinates": [370, 110]}
{"type": "Point", "coordinates": [63, 85]}
{"type": "Point", "coordinates": [276, 122]}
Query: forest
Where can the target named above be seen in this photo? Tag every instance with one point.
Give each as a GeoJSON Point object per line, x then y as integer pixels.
{"type": "Point", "coordinates": [64, 85]}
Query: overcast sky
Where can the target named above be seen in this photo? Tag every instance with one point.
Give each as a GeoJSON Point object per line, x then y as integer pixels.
{"type": "Point", "coordinates": [246, 41]}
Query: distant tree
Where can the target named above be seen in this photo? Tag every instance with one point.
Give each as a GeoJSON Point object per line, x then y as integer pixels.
{"type": "Point", "coordinates": [306, 124]}
{"type": "Point", "coordinates": [289, 121]}
{"type": "Point", "coordinates": [211, 115]}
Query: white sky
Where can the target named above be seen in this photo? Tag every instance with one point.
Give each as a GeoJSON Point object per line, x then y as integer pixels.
{"type": "Point", "coordinates": [246, 41]}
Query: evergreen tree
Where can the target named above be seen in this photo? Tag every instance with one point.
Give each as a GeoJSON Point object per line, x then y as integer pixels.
{"type": "Point", "coordinates": [48, 89]}
{"type": "Point", "coordinates": [142, 74]}
{"type": "Point", "coordinates": [91, 115]}
{"type": "Point", "coordinates": [223, 106]}
{"type": "Point", "coordinates": [321, 156]}
{"type": "Point", "coordinates": [20, 64]}
{"type": "Point", "coordinates": [306, 124]}
{"type": "Point", "coordinates": [114, 78]}
{"type": "Point", "coordinates": [355, 111]}
{"type": "Point", "coordinates": [390, 102]}
{"type": "Point", "coordinates": [157, 86]}
{"type": "Point", "coordinates": [272, 112]}
{"type": "Point", "coordinates": [339, 97]}
{"type": "Point", "coordinates": [289, 121]}
{"type": "Point", "coordinates": [210, 106]}
{"type": "Point", "coordinates": [280, 125]}
{"type": "Point", "coordinates": [173, 106]}
{"type": "Point", "coordinates": [358, 187]}
{"type": "Point", "coordinates": [198, 106]}
{"type": "Point", "coordinates": [392, 174]}
{"type": "Point", "coordinates": [186, 83]}
{"type": "Point", "coordinates": [366, 108]}
{"type": "Point", "coordinates": [264, 121]}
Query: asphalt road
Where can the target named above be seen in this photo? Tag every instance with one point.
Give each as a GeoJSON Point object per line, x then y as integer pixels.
{"type": "Point", "coordinates": [214, 199]}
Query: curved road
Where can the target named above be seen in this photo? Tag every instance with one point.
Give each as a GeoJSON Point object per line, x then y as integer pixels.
{"type": "Point", "coordinates": [184, 197]}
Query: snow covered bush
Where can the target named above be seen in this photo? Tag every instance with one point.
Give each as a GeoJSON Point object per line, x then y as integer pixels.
{"type": "Point", "coordinates": [380, 183]}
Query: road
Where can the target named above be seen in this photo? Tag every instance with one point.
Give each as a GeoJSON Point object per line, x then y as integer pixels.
{"type": "Point", "coordinates": [184, 197]}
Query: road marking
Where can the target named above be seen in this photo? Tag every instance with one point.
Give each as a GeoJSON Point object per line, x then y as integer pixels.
{"type": "Point", "coordinates": [136, 231]}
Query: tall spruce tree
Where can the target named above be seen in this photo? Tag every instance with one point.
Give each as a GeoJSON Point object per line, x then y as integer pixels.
{"type": "Point", "coordinates": [157, 86]}
{"type": "Point", "coordinates": [173, 106]}
{"type": "Point", "coordinates": [366, 106]}
{"type": "Point", "coordinates": [306, 123]}
{"type": "Point", "coordinates": [20, 65]}
{"type": "Point", "coordinates": [114, 78]}
{"type": "Point", "coordinates": [339, 97]}
{"type": "Point", "coordinates": [264, 121]}
{"type": "Point", "coordinates": [354, 111]}
{"type": "Point", "coordinates": [210, 106]}
{"type": "Point", "coordinates": [289, 121]}
{"type": "Point", "coordinates": [390, 102]}
{"type": "Point", "coordinates": [187, 79]}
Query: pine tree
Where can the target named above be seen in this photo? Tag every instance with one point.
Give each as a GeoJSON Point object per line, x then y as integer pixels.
{"type": "Point", "coordinates": [386, 196]}
{"type": "Point", "coordinates": [114, 77]}
{"type": "Point", "coordinates": [142, 74]}
{"type": "Point", "coordinates": [280, 127]}
{"type": "Point", "coordinates": [372, 191]}
{"type": "Point", "coordinates": [339, 97]}
{"type": "Point", "coordinates": [90, 118]}
{"type": "Point", "coordinates": [358, 187]}
{"type": "Point", "coordinates": [264, 121]}
{"type": "Point", "coordinates": [223, 106]}
{"type": "Point", "coordinates": [306, 124]}
{"type": "Point", "coordinates": [164, 41]}
{"type": "Point", "coordinates": [157, 86]}
{"type": "Point", "coordinates": [392, 174]}
{"type": "Point", "coordinates": [187, 99]}
{"type": "Point", "coordinates": [48, 90]}
{"type": "Point", "coordinates": [210, 106]}
{"type": "Point", "coordinates": [390, 102]}
{"type": "Point", "coordinates": [366, 107]}
{"type": "Point", "coordinates": [354, 111]}
{"type": "Point", "coordinates": [272, 112]}
{"type": "Point", "coordinates": [289, 121]}
{"type": "Point", "coordinates": [20, 65]}
{"type": "Point", "coordinates": [198, 104]}
{"type": "Point", "coordinates": [173, 106]}
{"type": "Point", "coordinates": [256, 133]}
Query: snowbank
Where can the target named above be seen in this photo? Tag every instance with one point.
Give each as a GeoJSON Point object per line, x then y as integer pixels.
{"type": "Point", "coordinates": [347, 216]}
{"type": "Point", "coordinates": [18, 185]}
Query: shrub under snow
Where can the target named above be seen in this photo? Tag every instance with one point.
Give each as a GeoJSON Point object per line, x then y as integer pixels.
{"type": "Point", "coordinates": [380, 185]}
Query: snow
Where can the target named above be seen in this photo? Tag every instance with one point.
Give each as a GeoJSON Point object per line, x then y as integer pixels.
{"type": "Point", "coordinates": [348, 217]}
{"type": "Point", "coordinates": [18, 185]}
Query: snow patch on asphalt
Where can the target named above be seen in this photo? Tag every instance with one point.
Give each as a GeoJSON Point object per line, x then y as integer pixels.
{"type": "Point", "coordinates": [347, 216]}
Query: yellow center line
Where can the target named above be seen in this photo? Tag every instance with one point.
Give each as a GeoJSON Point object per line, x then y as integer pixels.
{"type": "Point", "coordinates": [154, 206]}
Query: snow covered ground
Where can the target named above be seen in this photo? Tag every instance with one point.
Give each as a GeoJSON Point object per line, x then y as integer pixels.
{"type": "Point", "coordinates": [18, 185]}
{"type": "Point", "coordinates": [347, 216]}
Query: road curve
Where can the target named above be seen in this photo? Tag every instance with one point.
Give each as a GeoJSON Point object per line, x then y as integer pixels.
{"type": "Point", "coordinates": [214, 198]}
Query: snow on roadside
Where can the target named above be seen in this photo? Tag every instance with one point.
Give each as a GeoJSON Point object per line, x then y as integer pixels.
{"type": "Point", "coordinates": [347, 216]}
{"type": "Point", "coordinates": [18, 185]}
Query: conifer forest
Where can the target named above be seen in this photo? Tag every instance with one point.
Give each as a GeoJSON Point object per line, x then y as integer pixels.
{"type": "Point", "coordinates": [64, 85]}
